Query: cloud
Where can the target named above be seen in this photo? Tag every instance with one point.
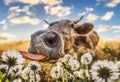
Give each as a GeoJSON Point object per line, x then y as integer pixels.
{"type": "Point", "coordinates": [110, 3]}
{"type": "Point", "coordinates": [103, 28]}
{"type": "Point", "coordinates": [117, 37]}
{"type": "Point", "coordinates": [5, 36]}
{"type": "Point", "coordinates": [58, 10]}
{"type": "Point", "coordinates": [15, 11]}
{"type": "Point", "coordinates": [35, 2]}
{"type": "Point", "coordinates": [25, 19]}
{"type": "Point", "coordinates": [31, 2]}
{"type": "Point", "coordinates": [87, 10]}
{"type": "Point", "coordinates": [5, 27]}
{"type": "Point", "coordinates": [3, 22]}
{"type": "Point", "coordinates": [91, 17]}
{"type": "Point", "coordinates": [116, 31]}
{"type": "Point", "coordinates": [107, 16]}
{"type": "Point", "coordinates": [51, 2]}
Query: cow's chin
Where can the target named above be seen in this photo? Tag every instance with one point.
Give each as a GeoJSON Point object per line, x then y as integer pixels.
{"type": "Point", "coordinates": [31, 56]}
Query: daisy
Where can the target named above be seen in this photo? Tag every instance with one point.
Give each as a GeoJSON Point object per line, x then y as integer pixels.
{"type": "Point", "coordinates": [37, 78]}
{"type": "Point", "coordinates": [3, 69]}
{"type": "Point", "coordinates": [11, 58]}
{"type": "Point", "coordinates": [56, 72]}
{"type": "Point", "coordinates": [74, 64]}
{"type": "Point", "coordinates": [82, 73]}
{"type": "Point", "coordinates": [17, 80]}
{"type": "Point", "coordinates": [34, 68]}
{"type": "Point", "coordinates": [104, 71]}
{"type": "Point", "coordinates": [17, 70]}
{"type": "Point", "coordinates": [86, 58]}
{"type": "Point", "coordinates": [118, 64]}
{"type": "Point", "coordinates": [25, 74]}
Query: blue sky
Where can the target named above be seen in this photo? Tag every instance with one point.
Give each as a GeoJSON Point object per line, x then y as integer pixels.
{"type": "Point", "coordinates": [20, 18]}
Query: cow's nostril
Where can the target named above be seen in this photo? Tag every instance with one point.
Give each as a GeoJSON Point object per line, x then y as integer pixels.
{"type": "Point", "coordinates": [50, 41]}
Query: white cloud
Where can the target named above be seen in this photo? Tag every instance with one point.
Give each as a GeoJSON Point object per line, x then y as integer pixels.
{"type": "Point", "coordinates": [116, 31]}
{"type": "Point", "coordinates": [87, 10]}
{"type": "Point", "coordinates": [35, 2]}
{"type": "Point", "coordinates": [110, 3]}
{"type": "Point", "coordinates": [91, 17]}
{"type": "Point", "coordinates": [15, 11]}
{"type": "Point", "coordinates": [107, 16]}
{"type": "Point", "coordinates": [5, 27]}
{"type": "Point", "coordinates": [6, 35]}
{"type": "Point", "coordinates": [4, 24]}
{"type": "Point", "coordinates": [51, 2]}
{"type": "Point", "coordinates": [25, 19]}
{"type": "Point", "coordinates": [3, 21]}
{"type": "Point", "coordinates": [117, 37]}
{"type": "Point", "coordinates": [58, 10]}
{"type": "Point", "coordinates": [102, 28]}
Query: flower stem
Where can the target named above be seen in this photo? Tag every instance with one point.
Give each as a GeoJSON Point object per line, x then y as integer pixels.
{"type": "Point", "coordinates": [85, 78]}
{"type": "Point", "coordinates": [106, 80]}
{"type": "Point", "coordinates": [88, 72]}
{"type": "Point", "coordinates": [35, 76]}
{"type": "Point", "coordinates": [4, 79]}
{"type": "Point", "coordinates": [63, 77]}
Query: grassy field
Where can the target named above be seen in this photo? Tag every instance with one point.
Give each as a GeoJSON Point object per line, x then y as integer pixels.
{"type": "Point", "coordinates": [14, 45]}
{"type": "Point", "coordinates": [105, 49]}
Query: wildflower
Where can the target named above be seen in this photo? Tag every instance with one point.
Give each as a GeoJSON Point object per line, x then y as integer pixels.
{"type": "Point", "coordinates": [82, 73]}
{"type": "Point", "coordinates": [66, 58]}
{"type": "Point", "coordinates": [25, 74]}
{"type": "Point", "coordinates": [104, 71]}
{"type": "Point", "coordinates": [86, 58]}
{"type": "Point", "coordinates": [74, 64]}
{"type": "Point", "coordinates": [17, 80]}
{"type": "Point", "coordinates": [34, 68]}
{"type": "Point", "coordinates": [118, 64]}
{"type": "Point", "coordinates": [32, 78]}
{"type": "Point", "coordinates": [56, 72]}
{"type": "Point", "coordinates": [16, 70]}
{"type": "Point", "coordinates": [11, 58]}
{"type": "Point", "coordinates": [3, 69]}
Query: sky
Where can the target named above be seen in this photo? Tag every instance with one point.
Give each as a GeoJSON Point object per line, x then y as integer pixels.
{"type": "Point", "coordinates": [21, 18]}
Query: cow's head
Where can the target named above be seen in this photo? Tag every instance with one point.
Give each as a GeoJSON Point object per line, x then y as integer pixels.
{"type": "Point", "coordinates": [58, 39]}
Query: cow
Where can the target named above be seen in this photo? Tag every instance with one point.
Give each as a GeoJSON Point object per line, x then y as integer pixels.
{"type": "Point", "coordinates": [61, 37]}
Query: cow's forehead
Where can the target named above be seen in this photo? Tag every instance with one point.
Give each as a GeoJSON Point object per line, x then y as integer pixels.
{"type": "Point", "coordinates": [61, 22]}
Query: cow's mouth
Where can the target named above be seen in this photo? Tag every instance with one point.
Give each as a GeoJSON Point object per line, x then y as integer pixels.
{"type": "Point", "coordinates": [32, 56]}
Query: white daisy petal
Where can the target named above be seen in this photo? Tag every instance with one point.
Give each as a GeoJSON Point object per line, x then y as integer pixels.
{"type": "Point", "coordinates": [13, 56]}
{"type": "Point", "coordinates": [104, 69]}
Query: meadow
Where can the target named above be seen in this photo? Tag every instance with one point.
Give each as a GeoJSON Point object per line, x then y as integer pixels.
{"type": "Point", "coordinates": [106, 49]}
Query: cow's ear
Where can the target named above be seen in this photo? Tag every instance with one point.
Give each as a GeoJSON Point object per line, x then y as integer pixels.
{"type": "Point", "coordinates": [84, 28]}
